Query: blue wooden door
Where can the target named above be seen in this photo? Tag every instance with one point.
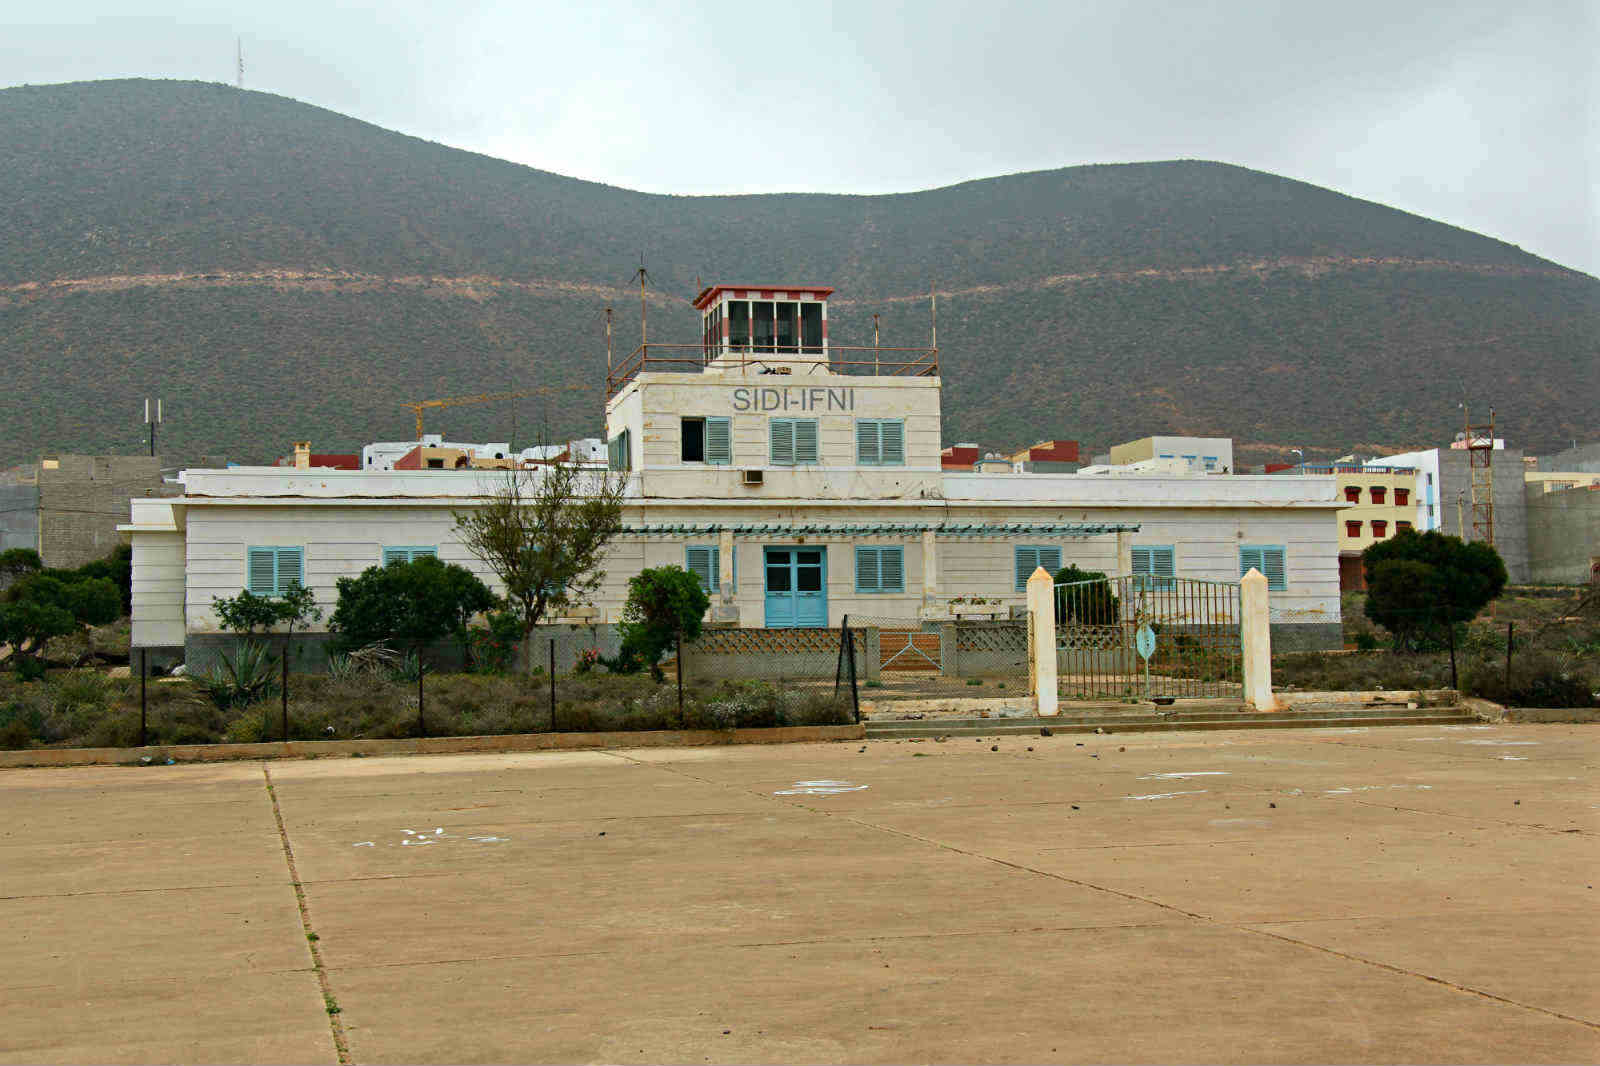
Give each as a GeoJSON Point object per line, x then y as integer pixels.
{"type": "Point", "coordinates": [796, 587]}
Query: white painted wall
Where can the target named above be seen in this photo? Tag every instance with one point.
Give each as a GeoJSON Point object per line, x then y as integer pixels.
{"type": "Point", "coordinates": [342, 540]}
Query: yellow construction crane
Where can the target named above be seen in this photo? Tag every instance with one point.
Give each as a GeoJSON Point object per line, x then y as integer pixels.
{"type": "Point", "coordinates": [487, 397]}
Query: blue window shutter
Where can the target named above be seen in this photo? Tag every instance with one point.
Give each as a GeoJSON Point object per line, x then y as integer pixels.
{"type": "Point", "coordinates": [701, 561]}
{"type": "Point", "coordinates": [892, 569]}
{"type": "Point", "coordinates": [1027, 560]}
{"type": "Point", "coordinates": [1250, 558]}
{"type": "Point", "coordinates": [869, 574]}
{"type": "Point", "coordinates": [396, 555]}
{"type": "Point", "coordinates": [1164, 566]}
{"type": "Point", "coordinates": [1050, 559]}
{"type": "Point", "coordinates": [261, 571]}
{"type": "Point", "coordinates": [1141, 561]}
{"type": "Point", "coordinates": [869, 451]}
{"type": "Point", "coordinates": [892, 442]}
{"type": "Point", "coordinates": [719, 441]}
{"type": "Point", "coordinates": [291, 568]}
{"type": "Point", "coordinates": [805, 440]}
{"type": "Point", "coordinates": [781, 435]}
{"type": "Point", "coordinates": [1273, 559]}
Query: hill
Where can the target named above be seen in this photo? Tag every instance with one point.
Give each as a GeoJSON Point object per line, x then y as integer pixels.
{"type": "Point", "coordinates": [277, 271]}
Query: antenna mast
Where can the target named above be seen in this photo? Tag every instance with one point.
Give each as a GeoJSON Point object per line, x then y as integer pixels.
{"type": "Point", "coordinates": [152, 423]}
{"type": "Point", "coordinates": [933, 293]}
{"type": "Point", "coordinates": [642, 275]}
{"type": "Point", "coordinates": [608, 340]}
{"type": "Point", "coordinates": [1480, 461]}
{"type": "Point", "coordinates": [238, 45]}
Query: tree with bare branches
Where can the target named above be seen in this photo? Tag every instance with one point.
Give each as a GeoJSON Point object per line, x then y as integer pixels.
{"type": "Point", "coordinates": [543, 532]}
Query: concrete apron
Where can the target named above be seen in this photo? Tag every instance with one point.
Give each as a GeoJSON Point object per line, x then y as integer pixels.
{"type": "Point", "coordinates": [315, 749]}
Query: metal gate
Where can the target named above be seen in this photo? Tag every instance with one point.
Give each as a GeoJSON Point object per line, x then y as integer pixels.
{"type": "Point", "coordinates": [1148, 636]}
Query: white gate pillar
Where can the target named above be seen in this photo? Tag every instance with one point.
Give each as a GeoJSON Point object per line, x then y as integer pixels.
{"type": "Point", "coordinates": [1042, 643]}
{"type": "Point", "coordinates": [1255, 641]}
{"type": "Point", "coordinates": [1124, 554]}
{"type": "Point", "coordinates": [725, 609]}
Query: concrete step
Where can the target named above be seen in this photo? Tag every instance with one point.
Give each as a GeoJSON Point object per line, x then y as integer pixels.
{"type": "Point", "coordinates": [987, 727]}
{"type": "Point", "coordinates": [1101, 715]}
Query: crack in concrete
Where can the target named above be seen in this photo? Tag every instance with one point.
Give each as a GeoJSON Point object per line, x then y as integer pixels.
{"type": "Point", "coordinates": [341, 1046]}
{"type": "Point", "coordinates": [125, 891]}
{"type": "Point", "coordinates": [1391, 968]}
{"type": "Point", "coordinates": [1468, 818]}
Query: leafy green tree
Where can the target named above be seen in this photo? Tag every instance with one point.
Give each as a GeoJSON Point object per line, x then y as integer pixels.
{"type": "Point", "coordinates": [116, 568]}
{"type": "Point", "coordinates": [543, 533]}
{"type": "Point", "coordinates": [17, 563]}
{"type": "Point", "coordinates": [664, 604]}
{"type": "Point", "coordinates": [1421, 584]}
{"type": "Point", "coordinates": [43, 606]}
{"type": "Point", "coordinates": [408, 603]}
{"type": "Point", "coordinates": [1088, 604]}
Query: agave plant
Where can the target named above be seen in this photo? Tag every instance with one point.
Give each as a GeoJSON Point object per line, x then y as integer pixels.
{"type": "Point", "coordinates": [248, 675]}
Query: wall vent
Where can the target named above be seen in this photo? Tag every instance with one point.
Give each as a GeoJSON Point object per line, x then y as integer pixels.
{"type": "Point", "coordinates": [754, 477]}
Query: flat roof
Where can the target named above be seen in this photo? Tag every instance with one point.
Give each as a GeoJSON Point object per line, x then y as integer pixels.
{"type": "Point", "coordinates": [711, 292]}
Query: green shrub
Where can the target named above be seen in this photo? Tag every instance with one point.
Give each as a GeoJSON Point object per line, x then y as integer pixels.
{"type": "Point", "coordinates": [665, 603]}
{"type": "Point", "coordinates": [494, 647]}
{"type": "Point", "coordinates": [1538, 679]}
{"type": "Point", "coordinates": [1091, 604]}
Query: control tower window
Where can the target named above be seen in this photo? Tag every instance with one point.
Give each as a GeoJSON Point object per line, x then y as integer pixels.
{"type": "Point", "coordinates": [763, 325]}
{"type": "Point", "coordinates": [739, 325]}
{"type": "Point", "coordinates": [811, 327]}
{"type": "Point", "coordinates": [788, 327]}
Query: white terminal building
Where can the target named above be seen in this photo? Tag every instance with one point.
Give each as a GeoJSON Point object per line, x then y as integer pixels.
{"type": "Point", "coordinates": [800, 480]}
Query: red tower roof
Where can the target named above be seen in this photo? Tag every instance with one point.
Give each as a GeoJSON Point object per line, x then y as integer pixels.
{"type": "Point", "coordinates": [765, 291]}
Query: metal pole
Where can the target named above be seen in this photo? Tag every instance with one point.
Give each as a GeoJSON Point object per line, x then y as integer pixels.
{"type": "Point", "coordinates": [680, 678]}
{"type": "Point", "coordinates": [422, 721]}
{"type": "Point", "coordinates": [552, 684]}
{"type": "Point", "coordinates": [855, 694]}
{"type": "Point", "coordinates": [144, 672]}
{"type": "Point", "coordinates": [1511, 629]}
{"type": "Point", "coordinates": [1451, 627]}
{"type": "Point", "coordinates": [285, 692]}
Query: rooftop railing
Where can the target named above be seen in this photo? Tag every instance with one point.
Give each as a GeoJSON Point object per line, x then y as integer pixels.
{"type": "Point", "coordinates": [773, 359]}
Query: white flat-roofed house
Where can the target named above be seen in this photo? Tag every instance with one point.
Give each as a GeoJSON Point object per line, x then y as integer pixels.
{"type": "Point", "coordinates": [801, 481]}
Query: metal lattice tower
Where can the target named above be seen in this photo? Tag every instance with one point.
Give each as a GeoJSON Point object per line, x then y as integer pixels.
{"type": "Point", "coordinates": [1480, 464]}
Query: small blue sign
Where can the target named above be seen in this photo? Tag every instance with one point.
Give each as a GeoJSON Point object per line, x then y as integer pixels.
{"type": "Point", "coordinates": [1144, 641]}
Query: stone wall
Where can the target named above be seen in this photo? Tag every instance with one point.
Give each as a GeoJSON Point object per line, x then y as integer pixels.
{"type": "Point", "coordinates": [83, 498]}
{"type": "Point", "coordinates": [1307, 636]}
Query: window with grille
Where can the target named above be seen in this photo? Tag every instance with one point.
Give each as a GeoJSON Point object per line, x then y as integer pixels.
{"type": "Point", "coordinates": [407, 554]}
{"type": "Point", "coordinates": [1352, 528]}
{"type": "Point", "coordinates": [1267, 558]}
{"type": "Point", "coordinates": [793, 441]}
{"type": "Point", "coordinates": [1029, 557]}
{"type": "Point", "coordinates": [1402, 497]}
{"type": "Point", "coordinates": [880, 569]}
{"type": "Point", "coordinates": [1380, 527]}
{"type": "Point", "coordinates": [1154, 566]}
{"type": "Point", "coordinates": [880, 442]}
{"type": "Point", "coordinates": [273, 571]}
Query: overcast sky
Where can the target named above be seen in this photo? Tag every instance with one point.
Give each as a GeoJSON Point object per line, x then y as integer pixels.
{"type": "Point", "coordinates": [1481, 114]}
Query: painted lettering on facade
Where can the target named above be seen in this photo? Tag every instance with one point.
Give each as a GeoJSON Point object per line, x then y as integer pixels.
{"type": "Point", "coordinates": [794, 399]}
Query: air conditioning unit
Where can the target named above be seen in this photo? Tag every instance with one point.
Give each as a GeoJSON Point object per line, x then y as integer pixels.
{"type": "Point", "coordinates": [754, 477]}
